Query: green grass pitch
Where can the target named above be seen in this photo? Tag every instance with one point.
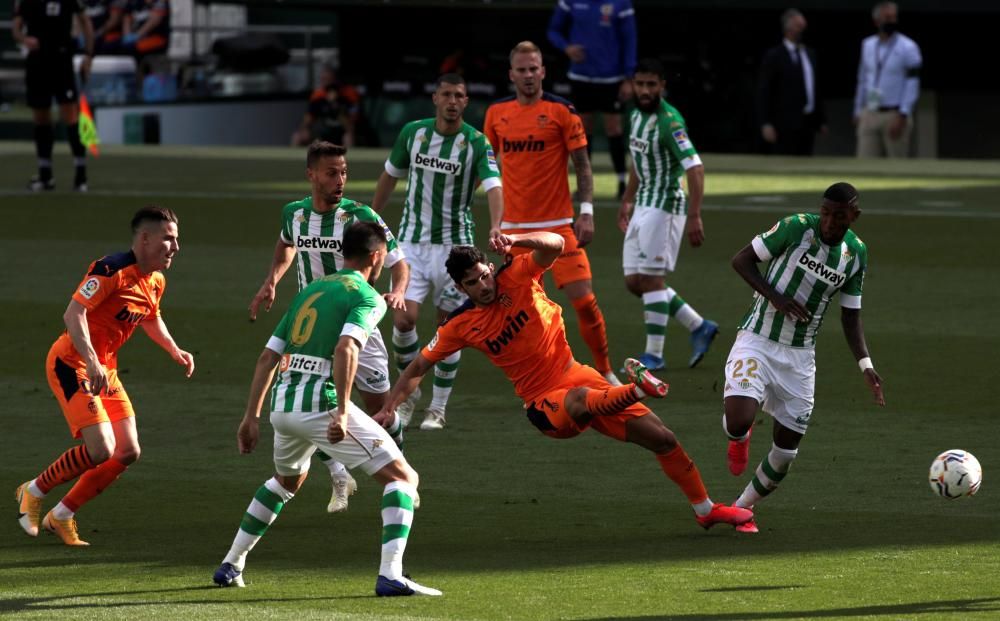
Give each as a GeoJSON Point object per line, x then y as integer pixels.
{"type": "Point", "coordinates": [515, 525]}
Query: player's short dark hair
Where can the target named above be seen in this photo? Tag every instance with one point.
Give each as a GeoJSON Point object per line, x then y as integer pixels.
{"type": "Point", "coordinates": [651, 65]}
{"type": "Point", "coordinates": [449, 78]}
{"type": "Point", "coordinates": [842, 192]}
{"type": "Point", "coordinates": [461, 259]}
{"type": "Point", "coordinates": [363, 238]}
{"type": "Point", "coordinates": [320, 149]}
{"type": "Point", "coordinates": [152, 213]}
{"type": "Point", "coordinates": [788, 16]}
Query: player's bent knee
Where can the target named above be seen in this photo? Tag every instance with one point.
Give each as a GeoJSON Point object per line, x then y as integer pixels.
{"type": "Point", "coordinates": [398, 470]}
{"type": "Point", "coordinates": [128, 455]}
{"type": "Point", "coordinates": [575, 403]}
{"type": "Point", "coordinates": [291, 482]}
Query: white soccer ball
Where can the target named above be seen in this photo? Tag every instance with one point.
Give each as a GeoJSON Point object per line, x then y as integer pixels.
{"type": "Point", "coordinates": [955, 474]}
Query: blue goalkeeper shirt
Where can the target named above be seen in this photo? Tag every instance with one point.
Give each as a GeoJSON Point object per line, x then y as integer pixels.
{"type": "Point", "coordinates": [605, 29]}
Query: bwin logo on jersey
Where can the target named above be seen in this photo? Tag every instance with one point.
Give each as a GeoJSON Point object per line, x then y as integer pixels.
{"type": "Point", "coordinates": [640, 145]}
{"type": "Point", "coordinates": [436, 164]}
{"type": "Point", "coordinates": [513, 327]}
{"type": "Point", "coordinates": [312, 242]}
{"type": "Point", "coordinates": [821, 271]}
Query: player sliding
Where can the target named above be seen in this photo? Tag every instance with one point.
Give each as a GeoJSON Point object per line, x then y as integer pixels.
{"type": "Point", "coordinates": [509, 318]}
{"type": "Point", "coordinates": [773, 362]}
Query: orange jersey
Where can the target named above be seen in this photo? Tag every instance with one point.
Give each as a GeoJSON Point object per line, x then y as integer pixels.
{"type": "Point", "coordinates": [522, 332]}
{"type": "Point", "coordinates": [533, 143]}
{"type": "Point", "coordinates": [117, 297]}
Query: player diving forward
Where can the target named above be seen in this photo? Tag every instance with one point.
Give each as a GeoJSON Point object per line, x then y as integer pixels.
{"type": "Point", "coordinates": [773, 362]}
{"type": "Point", "coordinates": [312, 231]}
{"type": "Point", "coordinates": [509, 318]}
{"type": "Point", "coordinates": [331, 318]}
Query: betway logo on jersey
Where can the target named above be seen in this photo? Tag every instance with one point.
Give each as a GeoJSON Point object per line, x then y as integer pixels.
{"type": "Point", "coordinates": [315, 242]}
{"type": "Point", "coordinates": [437, 164]}
{"type": "Point", "coordinates": [301, 363]}
{"type": "Point", "coordinates": [513, 327]}
{"type": "Point", "coordinates": [821, 271]}
{"type": "Point", "coordinates": [640, 145]}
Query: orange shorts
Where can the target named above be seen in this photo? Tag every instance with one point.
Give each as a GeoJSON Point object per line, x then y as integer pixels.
{"type": "Point", "coordinates": [572, 265]}
{"type": "Point", "coordinates": [548, 411]}
{"type": "Point", "coordinates": [81, 409]}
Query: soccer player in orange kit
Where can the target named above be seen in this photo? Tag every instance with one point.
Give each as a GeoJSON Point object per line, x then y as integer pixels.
{"type": "Point", "coordinates": [118, 293]}
{"type": "Point", "coordinates": [534, 134]}
{"type": "Point", "coordinates": [509, 318]}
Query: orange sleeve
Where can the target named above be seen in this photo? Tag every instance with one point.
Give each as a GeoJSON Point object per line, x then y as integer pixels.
{"type": "Point", "coordinates": [447, 340]}
{"type": "Point", "coordinates": [95, 288]}
{"type": "Point", "coordinates": [160, 282]}
{"type": "Point", "coordinates": [524, 269]}
{"type": "Point", "coordinates": [574, 136]}
{"type": "Point", "coordinates": [491, 133]}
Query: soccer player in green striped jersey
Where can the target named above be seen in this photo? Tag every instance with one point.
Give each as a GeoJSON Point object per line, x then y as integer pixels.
{"type": "Point", "coordinates": [315, 349]}
{"type": "Point", "coordinates": [772, 365]}
{"type": "Point", "coordinates": [443, 159]}
{"type": "Point", "coordinates": [655, 214]}
{"type": "Point", "coordinates": [312, 231]}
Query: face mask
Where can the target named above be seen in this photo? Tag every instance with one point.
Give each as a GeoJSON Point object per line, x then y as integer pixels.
{"type": "Point", "coordinates": [888, 27]}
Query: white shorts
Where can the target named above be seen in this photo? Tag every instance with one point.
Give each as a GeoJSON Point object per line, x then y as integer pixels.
{"type": "Point", "coordinates": [781, 378]}
{"type": "Point", "coordinates": [652, 241]}
{"type": "Point", "coordinates": [373, 366]}
{"type": "Point", "coordinates": [428, 275]}
{"type": "Point", "coordinates": [297, 435]}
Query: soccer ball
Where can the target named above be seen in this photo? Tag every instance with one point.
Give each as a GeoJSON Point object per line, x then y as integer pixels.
{"type": "Point", "coordinates": [955, 473]}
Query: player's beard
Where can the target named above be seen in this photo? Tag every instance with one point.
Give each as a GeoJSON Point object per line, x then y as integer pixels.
{"type": "Point", "coordinates": [653, 104]}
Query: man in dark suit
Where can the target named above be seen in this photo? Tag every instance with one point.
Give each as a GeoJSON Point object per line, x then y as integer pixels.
{"type": "Point", "coordinates": [789, 109]}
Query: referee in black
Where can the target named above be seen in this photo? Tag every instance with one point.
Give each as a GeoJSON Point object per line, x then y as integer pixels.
{"type": "Point", "coordinates": [45, 29]}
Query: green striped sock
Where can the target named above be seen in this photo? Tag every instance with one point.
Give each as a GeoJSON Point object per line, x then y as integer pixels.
{"type": "Point", "coordinates": [656, 312]}
{"type": "Point", "coordinates": [397, 519]}
{"type": "Point", "coordinates": [444, 377]}
{"type": "Point", "coordinates": [770, 472]}
{"type": "Point", "coordinates": [263, 510]}
{"type": "Point", "coordinates": [405, 346]}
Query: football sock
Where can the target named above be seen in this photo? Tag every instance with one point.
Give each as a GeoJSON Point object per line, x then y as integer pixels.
{"type": "Point", "coordinates": [405, 346]}
{"type": "Point", "coordinates": [682, 311]}
{"type": "Point", "coordinates": [678, 466]}
{"type": "Point", "coordinates": [593, 331]}
{"type": "Point", "coordinates": [609, 401]}
{"type": "Point", "coordinates": [75, 144]}
{"type": "Point", "coordinates": [770, 472]}
{"type": "Point", "coordinates": [616, 148]}
{"type": "Point", "coordinates": [70, 465]}
{"type": "Point", "coordinates": [737, 438]}
{"type": "Point", "coordinates": [263, 510]}
{"type": "Point", "coordinates": [336, 468]}
{"type": "Point", "coordinates": [396, 430]}
{"type": "Point", "coordinates": [44, 139]}
{"type": "Point", "coordinates": [397, 518]}
{"type": "Point", "coordinates": [656, 312]}
{"type": "Point", "coordinates": [444, 377]}
{"type": "Point", "coordinates": [92, 483]}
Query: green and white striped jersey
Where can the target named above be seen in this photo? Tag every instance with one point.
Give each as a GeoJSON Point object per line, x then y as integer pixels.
{"type": "Point", "coordinates": [803, 267]}
{"type": "Point", "coordinates": [441, 176]}
{"type": "Point", "coordinates": [318, 238]}
{"type": "Point", "coordinates": [306, 337]}
{"type": "Point", "coordinates": [661, 152]}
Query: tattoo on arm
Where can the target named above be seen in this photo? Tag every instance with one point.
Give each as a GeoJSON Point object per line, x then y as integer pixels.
{"type": "Point", "coordinates": [584, 178]}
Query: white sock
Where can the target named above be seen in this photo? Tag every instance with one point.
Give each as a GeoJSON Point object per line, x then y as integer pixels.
{"type": "Point", "coordinates": [405, 347]}
{"type": "Point", "coordinates": [33, 488]}
{"type": "Point", "coordinates": [62, 512]}
{"type": "Point", "coordinates": [263, 510]}
{"type": "Point", "coordinates": [703, 508]}
{"type": "Point", "coordinates": [770, 472]}
{"type": "Point", "coordinates": [682, 311]}
{"type": "Point", "coordinates": [444, 379]}
{"type": "Point", "coordinates": [397, 519]}
{"type": "Point", "coordinates": [656, 313]}
{"type": "Point", "coordinates": [337, 469]}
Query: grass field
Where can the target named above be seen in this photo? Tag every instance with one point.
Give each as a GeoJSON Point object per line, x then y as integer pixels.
{"type": "Point", "coordinates": [514, 525]}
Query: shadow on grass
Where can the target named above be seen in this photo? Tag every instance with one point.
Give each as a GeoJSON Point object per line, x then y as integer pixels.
{"type": "Point", "coordinates": [983, 605]}
{"type": "Point", "coordinates": [34, 604]}
{"type": "Point", "coordinates": [750, 587]}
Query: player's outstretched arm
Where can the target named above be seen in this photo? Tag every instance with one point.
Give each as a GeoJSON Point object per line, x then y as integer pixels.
{"type": "Point", "coordinates": [284, 254]}
{"type": "Point", "coordinates": [494, 197]}
{"type": "Point", "coordinates": [249, 431]}
{"type": "Point", "coordinates": [400, 271]}
{"type": "Point", "coordinates": [78, 329]}
{"type": "Point", "coordinates": [156, 329]}
{"type": "Point", "coordinates": [745, 263]}
{"type": "Point", "coordinates": [583, 228]}
{"type": "Point", "coordinates": [850, 319]}
{"type": "Point", "coordinates": [546, 246]}
{"type": "Point", "coordinates": [383, 190]}
{"type": "Point", "coordinates": [345, 367]}
{"type": "Point", "coordinates": [408, 381]}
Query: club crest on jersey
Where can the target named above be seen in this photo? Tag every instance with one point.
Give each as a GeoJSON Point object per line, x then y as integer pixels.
{"type": "Point", "coordinates": [437, 164]}
{"type": "Point", "coordinates": [90, 287]}
{"type": "Point", "coordinates": [344, 216]}
{"type": "Point", "coordinates": [505, 300]}
{"type": "Point", "coordinates": [771, 230]}
{"type": "Point", "coordinates": [638, 144]}
{"type": "Point", "coordinates": [682, 140]}
{"type": "Point", "coordinates": [543, 120]}
{"type": "Point", "coordinates": [818, 269]}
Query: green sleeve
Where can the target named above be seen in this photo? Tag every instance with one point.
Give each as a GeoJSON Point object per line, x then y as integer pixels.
{"type": "Point", "coordinates": [286, 225]}
{"type": "Point", "coordinates": [400, 155]}
{"type": "Point", "coordinates": [784, 233]}
{"type": "Point", "coordinates": [365, 213]}
{"type": "Point", "coordinates": [366, 312]}
{"type": "Point", "coordinates": [855, 283]}
{"type": "Point", "coordinates": [281, 331]}
{"type": "Point", "coordinates": [673, 133]}
{"type": "Point", "coordinates": [486, 160]}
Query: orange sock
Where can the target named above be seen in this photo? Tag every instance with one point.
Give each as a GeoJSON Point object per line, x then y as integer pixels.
{"type": "Point", "coordinates": [70, 465]}
{"type": "Point", "coordinates": [93, 483]}
{"type": "Point", "coordinates": [682, 471]}
{"type": "Point", "coordinates": [610, 400]}
{"type": "Point", "coordinates": [593, 331]}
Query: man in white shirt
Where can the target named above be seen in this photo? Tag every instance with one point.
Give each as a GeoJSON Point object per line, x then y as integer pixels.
{"type": "Point", "coordinates": [888, 87]}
